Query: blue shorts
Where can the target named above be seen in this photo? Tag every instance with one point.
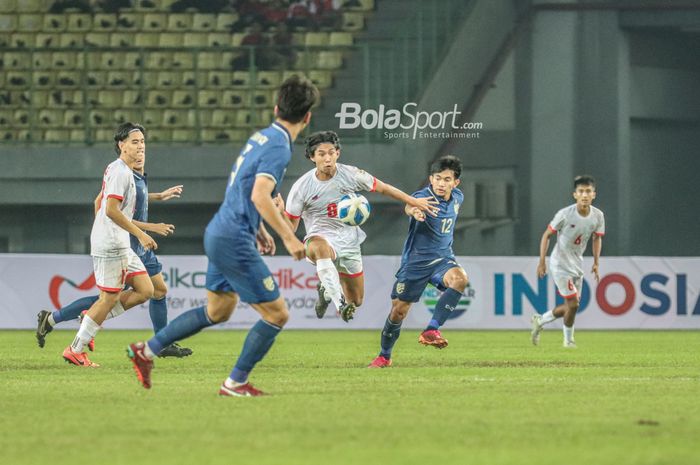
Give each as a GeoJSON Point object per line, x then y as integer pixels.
{"type": "Point", "coordinates": [150, 261]}
{"type": "Point", "coordinates": [236, 266]}
{"type": "Point", "coordinates": [412, 277]}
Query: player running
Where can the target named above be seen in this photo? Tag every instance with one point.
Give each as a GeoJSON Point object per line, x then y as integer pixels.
{"type": "Point", "coordinates": [113, 260]}
{"type": "Point", "coordinates": [331, 245]}
{"type": "Point", "coordinates": [158, 309]}
{"type": "Point", "coordinates": [574, 225]}
{"type": "Point", "coordinates": [428, 258]}
{"type": "Point", "coordinates": [235, 266]}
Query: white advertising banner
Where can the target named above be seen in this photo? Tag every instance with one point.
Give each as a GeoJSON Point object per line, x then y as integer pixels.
{"type": "Point", "coordinates": [633, 293]}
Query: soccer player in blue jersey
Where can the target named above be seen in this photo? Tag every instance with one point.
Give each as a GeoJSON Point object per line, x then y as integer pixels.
{"type": "Point", "coordinates": [428, 258]}
{"type": "Point", "coordinates": [158, 309]}
{"type": "Point", "coordinates": [236, 269]}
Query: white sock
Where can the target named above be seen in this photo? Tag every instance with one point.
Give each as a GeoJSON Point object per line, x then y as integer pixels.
{"type": "Point", "coordinates": [548, 317]}
{"type": "Point", "coordinates": [330, 279]}
{"type": "Point", "coordinates": [88, 329]}
{"type": "Point", "coordinates": [568, 334]}
{"type": "Point", "coordinates": [148, 352]}
{"type": "Point", "coordinates": [117, 310]}
{"type": "Point", "coordinates": [230, 383]}
{"type": "Point", "coordinates": [51, 321]}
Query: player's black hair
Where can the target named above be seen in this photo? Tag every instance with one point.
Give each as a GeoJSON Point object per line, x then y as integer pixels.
{"type": "Point", "coordinates": [123, 132]}
{"type": "Point", "coordinates": [584, 180]}
{"type": "Point", "coordinates": [447, 162]}
{"type": "Point", "coordinates": [318, 138]}
{"type": "Point", "coordinates": [295, 98]}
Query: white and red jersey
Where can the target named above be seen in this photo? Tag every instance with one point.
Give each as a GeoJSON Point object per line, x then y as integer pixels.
{"type": "Point", "coordinates": [573, 232]}
{"type": "Point", "coordinates": [107, 239]}
{"type": "Point", "coordinates": [315, 202]}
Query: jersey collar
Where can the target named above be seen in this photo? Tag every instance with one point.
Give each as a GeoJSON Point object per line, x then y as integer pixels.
{"type": "Point", "coordinates": [284, 131]}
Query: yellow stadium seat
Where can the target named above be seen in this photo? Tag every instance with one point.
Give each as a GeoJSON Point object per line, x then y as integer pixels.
{"type": "Point", "coordinates": [54, 23]}
{"type": "Point", "coordinates": [40, 98]}
{"type": "Point", "coordinates": [268, 79]}
{"type": "Point", "coordinates": [221, 119]}
{"type": "Point", "coordinates": [121, 78]}
{"type": "Point", "coordinates": [219, 79]}
{"type": "Point", "coordinates": [73, 118]}
{"type": "Point", "coordinates": [96, 78]}
{"type": "Point", "coordinates": [189, 79]}
{"type": "Point", "coordinates": [30, 23]}
{"type": "Point", "coordinates": [316, 38]}
{"type": "Point", "coordinates": [21, 118]}
{"type": "Point", "coordinates": [195, 39]}
{"type": "Point", "coordinates": [152, 117]}
{"type": "Point", "coordinates": [175, 118]}
{"type": "Point", "coordinates": [130, 22]}
{"type": "Point", "coordinates": [100, 118]}
{"type": "Point", "coordinates": [208, 98]}
{"type": "Point", "coordinates": [97, 39]}
{"type": "Point", "coordinates": [234, 99]}
{"type": "Point", "coordinates": [70, 40]}
{"type": "Point", "coordinates": [209, 60]}
{"type": "Point", "coordinates": [147, 39]}
{"type": "Point", "coordinates": [42, 40]}
{"type": "Point", "coordinates": [330, 60]}
{"type": "Point", "coordinates": [159, 60]}
{"type": "Point", "coordinates": [69, 79]}
{"type": "Point", "coordinates": [110, 98]}
{"type": "Point", "coordinates": [224, 21]}
{"type": "Point", "coordinates": [160, 135]}
{"type": "Point", "coordinates": [170, 39]}
{"type": "Point", "coordinates": [104, 135]}
{"type": "Point", "coordinates": [353, 21]}
{"type": "Point", "coordinates": [184, 135]}
{"type": "Point", "coordinates": [154, 22]}
{"type": "Point", "coordinates": [17, 60]}
{"type": "Point", "coordinates": [64, 60]}
{"type": "Point", "coordinates": [74, 98]}
{"type": "Point", "coordinates": [79, 22]}
{"type": "Point", "coordinates": [103, 22]}
{"type": "Point", "coordinates": [29, 6]}
{"type": "Point", "coordinates": [131, 98]}
{"type": "Point", "coordinates": [243, 118]}
{"type": "Point", "coordinates": [179, 22]}
{"type": "Point", "coordinates": [203, 22]}
{"type": "Point", "coordinates": [77, 135]}
{"type": "Point", "coordinates": [168, 79]}
{"type": "Point", "coordinates": [18, 80]}
{"type": "Point", "coordinates": [183, 99]}
{"type": "Point", "coordinates": [122, 39]}
{"type": "Point", "coordinates": [50, 118]}
{"type": "Point", "coordinates": [240, 78]}
{"type": "Point", "coordinates": [340, 38]}
{"type": "Point", "coordinates": [56, 136]}
{"type": "Point", "coordinates": [322, 79]}
{"type": "Point", "coordinates": [218, 39]}
{"type": "Point", "coordinates": [159, 98]}
{"type": "Point", "coordinates": [22, 39]}
{"type": "Point", "coordinates": [237, 39]}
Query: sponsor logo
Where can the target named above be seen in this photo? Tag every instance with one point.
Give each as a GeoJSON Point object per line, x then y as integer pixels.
{"type": "Point", "coordinates": [400, 287]}
{"type": "Point", "coordinates": [58, 280]}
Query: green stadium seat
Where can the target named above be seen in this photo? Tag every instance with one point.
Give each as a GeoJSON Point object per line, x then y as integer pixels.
{"type": "Point", "coordinates": [234, 99]}
{"type": "Point", "coordinates": [152, 117]}
{"type": "Point", "coordinates": [18, 80]}
{"type": "Point", "coordinates": [106, 135]}
{"type": "Point", "coordinates": [160, 135]}
{"type": "Point", "coordinates": [159, 60]}
{"type": "Point", "coordinates": [69, 79]}
{"type": "Point", "coordinates": [203, 22]}
{"type": "Point", "coordinates": [5, 118]}
{"type": "Point", "coordinates": [100, 118]}
{"type": "Point", "coordinates": [195, 39]}
{"type": "Point", "coordinates": [131, 98]}
{"type": "Point", "coordinates": [64, 60]}
{"type": "Point", "coordinates": [123, 115]}
{"type": "Point", "coordinates": [110, 98]}
{"type": "Point", "coordinates": [96, 78]}
{"type": "Point", "coordinates": [237, 39]}
{"type": "Point", "coordinates": [5, 39]}
{"type": "Point", "coordinates": [219, 79]}
{"type": "Point", "coordinates": [73, 118]}
{"type": "Point", "coordinates": [159, 98]}
{"type": "Point", "coordinates": [56, 136]}
{"type": "Point", "coordinates": [221, 119]}
{"type": "Point", "coordinates": [353, 21]}
{"type": "Point", "coordinates": [21, 118]}
{"type": "Point", "coordinates": [330, 60]}
{"type": "Point", "coordinates": [265, 117]}
{"type": "Point", "coordinates": [322, 79]}
{"type": "Point", "coordinates": [43, 40]}
{"type": "Point", "coordinates": [30, 23]}
{"type": "Point", "coordinates": [167, 79]}
{"type": "Point", "coordinates": [104, 22]}
{"type": "Point", "coordinates": [78, 22]}
{"type": "Point", "coordinates": [340, 38]}
{"type": "Point", "coordinates": [244, 118]}
{"type": "Point", "coordinates": [183, 98]}
{"type": "Point", "coordinates": [189, 79]}
{"type": "Point", "coordinates": [184, 135]}
{"type": "Point", "coordinates": [8, 6]}
{"type": "Point", "coordinates": [224, 21]}
{"type": "Point", "coordinates": [179, 22]}
{"type": "Point", "coordinates": [184, 60]}
{"type": "Point", "coordinates": [30, 6]}
{"type": "Point", "coordinates": [77, 135]}
{"type": "Point", "coordinates": [209, 60]}
{"type": "Point", "coordinates": [170, 39]}
{"type": "Point", "coordinates": [43, 79]}
{"type": "Point", "coordinates": [54, 23]}
{"type": "Point", "coordinates": [208, 98]}
{"type": "Point", "coordinates": [40, 98]}
{"type": "Point", "coordinates": [22, 40]}
{"type": "Point", "coordinates": [122, 39]}
{"type": "Point", "coordinates": [240, 78]}
{"type": "Point", "coordinates": [97, 39]}
{"type": "Point", "coordinates": [130, 22]}
{"type": "Point", "coordinates": [154, 22]}
{"type": "Point", "coordinates": [147, 39]}
{"type": "Point", "coordinates": [262, 98]}
{"type": "Point", "coordinates": [50, 118]}
{"type": "Point", "coordinates": [175, 118]}
{"type": "Point", "coordinates": [122, 79]}
{"type": "Point", "coordinates": [71, 40]}
{"type": "Point", "coordinates": [17, 60]}
{"type": "Point", "coordinates": [218, 39]}
{"type": "Point", "coordinates": [316, 39]}
{"type": "Point", "coordinates": [268, 79]}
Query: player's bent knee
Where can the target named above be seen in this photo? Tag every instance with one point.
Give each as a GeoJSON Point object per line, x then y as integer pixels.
{"type": "Point", "coordinates": [160, 291]}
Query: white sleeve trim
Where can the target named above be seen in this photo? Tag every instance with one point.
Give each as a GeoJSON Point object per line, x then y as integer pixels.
{"type": "Point", "coordinates": [267, 175]}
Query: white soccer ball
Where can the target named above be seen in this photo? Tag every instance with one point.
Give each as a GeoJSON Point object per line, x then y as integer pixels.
{"type": "Point", "coordinates": [353, 209]}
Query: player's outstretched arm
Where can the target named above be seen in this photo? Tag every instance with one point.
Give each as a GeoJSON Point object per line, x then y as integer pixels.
{"type": "Point", "coordinates": [414, 212]}
{"type": "Point", "coordinates": [162, 229]}
{"type": "Point", "coordinates": [427, 205]}
{"type": "Point", "coordinates": [596, 248]}
{"type": "Point", "coordinates": [262, 199]}
{"type": "Point", "coordinates": [170, 193]}
{"type": "Point", "coordinates": [544, 246]}
{"type": "Point", "coordinates": [113, 213]}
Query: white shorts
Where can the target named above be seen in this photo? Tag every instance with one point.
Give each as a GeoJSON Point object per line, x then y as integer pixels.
{"type": "Point", "coordinates": [347, 259]}
{"type": "Point", "coordinates": [568, 285]}
{"type": "Point", "coordinates": [112, 273]}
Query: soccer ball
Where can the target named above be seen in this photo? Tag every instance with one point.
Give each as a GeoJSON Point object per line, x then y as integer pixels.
{"type": "Point", "coordinates": [353, 209]}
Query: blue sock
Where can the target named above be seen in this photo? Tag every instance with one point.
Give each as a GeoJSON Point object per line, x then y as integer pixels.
{"type": "Point", "coordinates": [446, 303]}
{"type": "Point", "coordinates": [72, 311]}
{"type": "Point", "coordinates": [259, 340]}
{"type": "Point", "coordinates": [158, 309]}
{"type": "Point", "coordinates": [390, 335]}
{"type": "Point", "coordinates": [189, 323]}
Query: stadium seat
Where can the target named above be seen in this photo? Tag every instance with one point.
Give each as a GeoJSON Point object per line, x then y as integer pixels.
{"type": "Point", "coordinates": [365, 5]}
{"type": "Point", "coordinates": [202, 22]}
{"type": "Point", "coordinates": [110, 98]}
{"type": "Point", "coordinates": [16, 60]}
{"type": "Point", "coordinates": [21, 118]}
{"type": "Point", "coordinates": [56, 136]}
{"type": "Point", "coordinates": [183, 99]}
{"type": "Point", "coordinates": [70, 40]}
{"type": "Point", "coordinates": [209, 60]}
{"type": "Point", "coordinates": [158, 98]}
{"type": "Point", "coordinates": [306, 60]}
{"type": "Point", "coordinates": [262, 99]}
{"type": "Point", "coordinates": [237, 39]}
{"type": "Point", "coordinates": [123, 115]}
{"type": "Point", "coordinates": [148, 39]}
{"type": "Point", "coordinates": [240, 78]}
{"type": "Point", "coordinates": [353, 21]}
{"type": "Point", "coordinates": [5, 39]}
{"type": "Point", "coordinates": [221, 119]}
{"type": "Point", "coordinates": [43, 40]}
{"type": "Point", "coordinates": [121, 78]}
{"type": "Point", "coordinates": [234, 99]}
{"type": "Point", "coordinates": [54, 23]}
{"type": "Point", "coordinates": [184, 60]}
{"type": "Point", "coordinates": [74, 98]}
{"type": "Point", "coordinates": [64, 60]}
{"type": "Point", "coordinates": [330, 60]}
{"type": "Point", "coordinates": [315, 39]}
{"type": "Point", "coordinates": [244, 118]}
{"type": "Point", "coordinates": [152, 117]}
{"type": "Point", "coordinates": [184, 135]}
{"type": "Point", "coordinates": [265, 117]}
{"type": "Point", "coordinates": [22, 40]}
{"type": "Point", "coordinates": [130, 22]}
{"type": "Point", "coordinates": [29, 6]}
{"type": "Point", "coordinates": [219, 79]}
{"type": "Point", "coordinates": [18, 80]}
{"type": "Point", "coordinates": [167, 79]}
{"type": "Point", "coordinates": [223, 135]}
{"type": "Point", "coordinates": [159, 60]}
{"type": "Point", "coordinates": [189, 79]}
{"type": "Point", "coordinates": [204, 118]}
{"type": "Point", "coordinates": [105, 135]}
{"type": "Point", "coordinates": [69, 79]}
{"type": "Point", "coordinates": [77, 135]}
{"type": "Point", "coordinates": [322, 79]}
{"type": "Point", "coordinates": [30, 23]}
{"type": "Point", "coordinates": [40, 98]}
{"type": "Point", "coordinates": [179, 22]}
{"type": "Point", "coordinates": [155, 22]}
{"type": "Point", "coordinates": [268, 79]}
{"type": "Point", "coordinates": [224, 21]}
{"type": "Point", "coordinates": [78, 22]}
{"type": "Point", "coordinates": [100, 118]}
{"type": "Point", "coordinates": [42, 60]}
{"type": "Point", "coordinates": [195, 39]}
{"type": "Point", "coordinates": [97, 39]}
{"type": "Point", "coordinates": [218, 39]}
{"type": "Point", "coordinates": [340, 38]}
{"type": "Point", "coordinates": [5, 118]}
{"type": "Point", "coordinates": [50, 118]}
{"type": "Point", "coordinates": [104, 22]}
{"type": "Point", "coordinates": [96, 78]}
{"type": "Point", "coordinates": [8, 23]}
{"type": "Point", "coordinates": [160, 135]}
{"type": "Point", "coordinates": [122, 39]}
{"type": "Point", "coordinates": [170, 39]}
{"type": "Point", "coordinates": [24, 135]}
{"type": "Point", "coordinates": [208, 98]}
{"type": "Point", "coordinates": [73, 118]}
{"type": "Point", "coordinates": [175, 118]}
{"type": "Point", "coordinates": [8, 6]}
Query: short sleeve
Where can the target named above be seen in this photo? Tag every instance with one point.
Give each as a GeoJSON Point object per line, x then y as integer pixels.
{"type": "Point", "coordinates": [600, 228]}
{"type": "Point", "coordinates": [116, 184]}
{"type": "Point", "coordinates": [363, 181]}
{"type": "Point", "coordinates": [557, 222]}
{"type": "Point", "coordinates": [273, 163]}
{"type": "Point", "coordinates": [295, 202]}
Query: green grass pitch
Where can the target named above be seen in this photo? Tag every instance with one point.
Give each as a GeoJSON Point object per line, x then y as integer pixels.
{"type": "Point", "coordinates": [489, 398]}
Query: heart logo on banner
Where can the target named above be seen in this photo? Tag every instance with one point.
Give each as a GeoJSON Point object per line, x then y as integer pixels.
{"type": "Point", "coordinates": [56, 282]}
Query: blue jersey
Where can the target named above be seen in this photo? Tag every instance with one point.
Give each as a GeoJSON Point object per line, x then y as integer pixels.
{"type": "Point", "coordinates": [267, 153]}
{"type": "Point", "coordinates": [432, 239]}
{"type": "Point", "coordinates": [140, 209]}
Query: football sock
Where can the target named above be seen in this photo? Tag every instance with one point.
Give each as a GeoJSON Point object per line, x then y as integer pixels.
{"type": "Point", "coordinates": [88, 330]}
{"type": "Point", "coordinates": [390, 334]}
{"type": "Point", "coordinates": [117, 310]}
{"type": "Point", "coordinates": [568, 333]}
{"type": "Point", "coordinates": [548, 317]}
{"type": "Point", "coordinates": [446, 303]}
{"type": "Point", "coordinates": [259, 340]}
{"type": "Point", "coordinates": [330, 279]}
{"type": "Point", "coordinates": [158, 309]}
{"type": "Point", "coordinates": [72, 311]}
{"type": "Point", "coordinates": [189, 323]}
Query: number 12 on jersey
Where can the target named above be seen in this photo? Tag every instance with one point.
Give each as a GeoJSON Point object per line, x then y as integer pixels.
{"type": "Point", "coordinates": [446, 225]}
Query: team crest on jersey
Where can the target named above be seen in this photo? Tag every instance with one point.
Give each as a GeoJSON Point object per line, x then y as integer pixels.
{"type": "Point", "coordinates": [456, 208]}
{"type": "Point", "coordinates": [269, 283]}
{"type": "Point", "coordinates": [400, 287]}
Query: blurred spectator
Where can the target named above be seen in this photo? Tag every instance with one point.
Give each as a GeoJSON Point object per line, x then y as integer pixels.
{"type": "Point", "coordinates": [299, 15]}
{"type": "Point", "coordinates": [113, 6]}
{"type": "Point", "coordinates": [60, 6]}
{"type": "Point", "coordinates": [283, 41]}
{"type": "Point", "coordinates": [264, 57]}
{"type": "Point", "coordinates": [327, 13]}
{"type": "Point", "coordinates": [249, 12]}
{"type": "Point", "coordinates": [207, 6]}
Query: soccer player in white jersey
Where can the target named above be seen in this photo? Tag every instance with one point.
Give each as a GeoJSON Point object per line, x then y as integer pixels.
{"type": "Point", "coordinates": [113, 260]}
{"type": "Point", "coordinates": [331, 245]}
{"type": "Point", "coordinates": [574, 225]}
